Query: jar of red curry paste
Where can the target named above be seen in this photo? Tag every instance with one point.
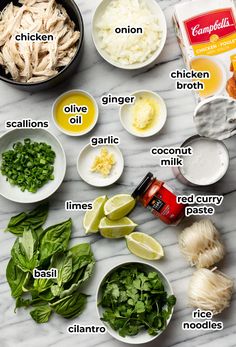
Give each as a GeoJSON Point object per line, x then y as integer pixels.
{"type": "Point", "coordinates": [159, 199]}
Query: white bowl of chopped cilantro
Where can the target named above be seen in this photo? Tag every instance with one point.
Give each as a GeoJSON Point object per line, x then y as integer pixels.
{"type": "Point", "coordinates": [32, 165]}
{"type": "Point", "coordinates": [135, 302]}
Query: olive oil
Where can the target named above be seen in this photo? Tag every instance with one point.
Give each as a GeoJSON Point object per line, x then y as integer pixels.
{"type": "Point", "coordinates": [75, 112]}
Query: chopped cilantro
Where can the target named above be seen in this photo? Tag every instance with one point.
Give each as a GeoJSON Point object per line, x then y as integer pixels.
{"type": "Point", "coordinates": [135, 300]}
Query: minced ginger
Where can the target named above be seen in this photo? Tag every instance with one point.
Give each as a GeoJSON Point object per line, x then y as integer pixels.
{"type": "Point", "coordinates": [144, 111]}
{"type": "Point", "coordinates": [103, 162]}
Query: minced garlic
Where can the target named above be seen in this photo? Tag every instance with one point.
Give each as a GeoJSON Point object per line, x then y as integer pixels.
{"type": "Point", "coordinates": [103, 162]}
{"type": "Point", "coordinates": [144, 111]}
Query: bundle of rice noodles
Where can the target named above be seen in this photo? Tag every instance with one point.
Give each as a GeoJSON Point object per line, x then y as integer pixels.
{"type": "Point", "coordinates": [210, 290]}
{"type": "Point", "coordinates": [201, 245]}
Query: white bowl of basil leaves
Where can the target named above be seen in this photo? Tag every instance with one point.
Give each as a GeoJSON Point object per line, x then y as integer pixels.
{"type": "Point", "coordinates": [32, 165]}
{"type": "Point", "coordinates": [135, 302]}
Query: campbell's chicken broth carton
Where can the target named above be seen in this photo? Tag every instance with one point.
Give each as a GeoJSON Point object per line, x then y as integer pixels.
{"type": "Point", "coordinates": [206, 32]}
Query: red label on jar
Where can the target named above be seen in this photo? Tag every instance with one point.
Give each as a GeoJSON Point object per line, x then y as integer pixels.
{"type": "Point", "coordinates": [163, 205]}
{"type": "Point", "coordinates": [219, 23]}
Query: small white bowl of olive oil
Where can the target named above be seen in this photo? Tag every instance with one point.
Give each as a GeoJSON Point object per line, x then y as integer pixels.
{"type": "Point", "coordinates": [75, 113]}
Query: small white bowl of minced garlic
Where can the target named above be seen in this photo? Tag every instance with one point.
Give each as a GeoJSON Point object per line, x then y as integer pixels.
{"type": "Point", "coordinates": [146, 116]}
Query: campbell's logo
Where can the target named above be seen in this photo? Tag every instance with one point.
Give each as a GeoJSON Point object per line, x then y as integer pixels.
{"type": "Point", "coordinates": [210, 26]}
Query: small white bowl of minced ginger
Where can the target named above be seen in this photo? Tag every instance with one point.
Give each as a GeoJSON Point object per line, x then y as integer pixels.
{"type": "Point", "coordinates": [146, 116]}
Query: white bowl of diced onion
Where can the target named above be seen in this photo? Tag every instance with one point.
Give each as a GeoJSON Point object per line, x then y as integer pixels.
{"type": "Point", "coordinates": [124, 50]}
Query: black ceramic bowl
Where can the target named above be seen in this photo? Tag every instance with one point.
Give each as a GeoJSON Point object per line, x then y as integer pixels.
{"type": "Point", "coordinates": [75, 15]}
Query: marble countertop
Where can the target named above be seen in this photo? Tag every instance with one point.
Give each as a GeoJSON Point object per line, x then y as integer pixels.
{"type": "Point", "coordinates": [98, 78]}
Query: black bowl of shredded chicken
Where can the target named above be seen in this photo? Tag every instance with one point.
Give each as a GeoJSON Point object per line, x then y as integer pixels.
{"type": "Point", "coordinates": [40, 42]}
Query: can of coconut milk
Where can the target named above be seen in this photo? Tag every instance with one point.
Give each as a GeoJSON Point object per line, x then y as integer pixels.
{"type": "Point", "coordinates": [207, 165]}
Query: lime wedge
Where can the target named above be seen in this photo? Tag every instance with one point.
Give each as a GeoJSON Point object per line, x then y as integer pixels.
{"type": "Point", "coordinates": [119, 206]}
{"type": "Point", "coordinates": [144, 246]}
{"type": "Point", "coordinates": [116, 229]}
{"type": "Point", "coordinates": [92, 218]}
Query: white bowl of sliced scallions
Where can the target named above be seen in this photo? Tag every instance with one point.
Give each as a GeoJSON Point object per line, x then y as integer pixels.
{"type": "Point", "coordinates": [32, 165]}
{"type": "Point", "coordinates": [135, 302]}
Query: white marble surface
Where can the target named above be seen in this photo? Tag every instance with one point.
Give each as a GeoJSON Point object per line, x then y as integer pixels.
{"type": "Point", "coordinates": [97, 77]}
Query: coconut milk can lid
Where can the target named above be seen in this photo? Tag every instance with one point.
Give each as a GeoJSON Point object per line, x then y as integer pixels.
{"type": "Point", "coordinates": [215, 117]}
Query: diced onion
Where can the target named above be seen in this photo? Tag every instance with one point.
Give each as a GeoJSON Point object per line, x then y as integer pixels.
{"type": "Point", "coordinates": [128, 49]}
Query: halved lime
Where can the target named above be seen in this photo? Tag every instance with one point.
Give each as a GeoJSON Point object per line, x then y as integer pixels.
{"type": "Point", "coordinates": [119, 206]}
{"type": "Point", "coordinates": [92, 218]}
{"type": "Point", "coordinates": [116, 229]}
{"type": "Point", "coordinates": [144, 246]}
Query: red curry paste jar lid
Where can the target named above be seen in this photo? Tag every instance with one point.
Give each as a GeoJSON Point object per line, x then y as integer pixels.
{"type": "Point", "coordinates": [143, 186]}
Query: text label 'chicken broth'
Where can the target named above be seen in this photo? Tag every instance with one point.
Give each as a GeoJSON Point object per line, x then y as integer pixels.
{"type": "Point", "coordinates": [206, 32]}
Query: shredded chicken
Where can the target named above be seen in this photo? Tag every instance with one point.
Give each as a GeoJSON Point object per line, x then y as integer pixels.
{"type": "Point", "coordinates": [36, 61]}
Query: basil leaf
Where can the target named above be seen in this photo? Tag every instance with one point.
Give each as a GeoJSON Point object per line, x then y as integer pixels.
{"type": "Point", "coordinates": [28, 283]}
{"type": "Point", "coordinates": [16, 220]}
{"type": "Point", "coordinates": [32, 220]}
{"type": "Point", "coordinates": [63, 263]}
{"type": "Point", "coordinates": [41, 314]}
{"type": "Point", "coordinates": [81, 249]}
{"type": "Point", "coordinates": [81, 276]}
{"type": "Point", "coordinates": [81, 256]}
{"type": "Point", "coordinates": [55, 239]}
{"type": "Point", "coordinates": [20, 302]}
{"type": "Point", "coordinates": [71, 306]}
{"type": "Point", "coordinates": [16, 278]}
{"type": "Point", "coordinates": [24, 252]}
{"type": "Point", "coordinates": [47, 295]}
{"type": "Point", "coordinates": [56, 290]}
{"type": "Point", "coordinates": [42, 284]}
{"type": "Point", "coordinates": [27, 242]}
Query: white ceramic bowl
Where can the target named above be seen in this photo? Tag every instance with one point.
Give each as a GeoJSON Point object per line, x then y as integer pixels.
{"type": "Point", "coordinates": [126, 116]}
{"type": "Point", "coordinates": [14, 193]}
{"type": "Point", "coordinates": [86, 131]}
{"type": "Point", "coordinates": [155, 8]}
{"type": "Point", "coordinates": [142, 337]}
{"type": "Point", "coordinates": [86, 158]}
